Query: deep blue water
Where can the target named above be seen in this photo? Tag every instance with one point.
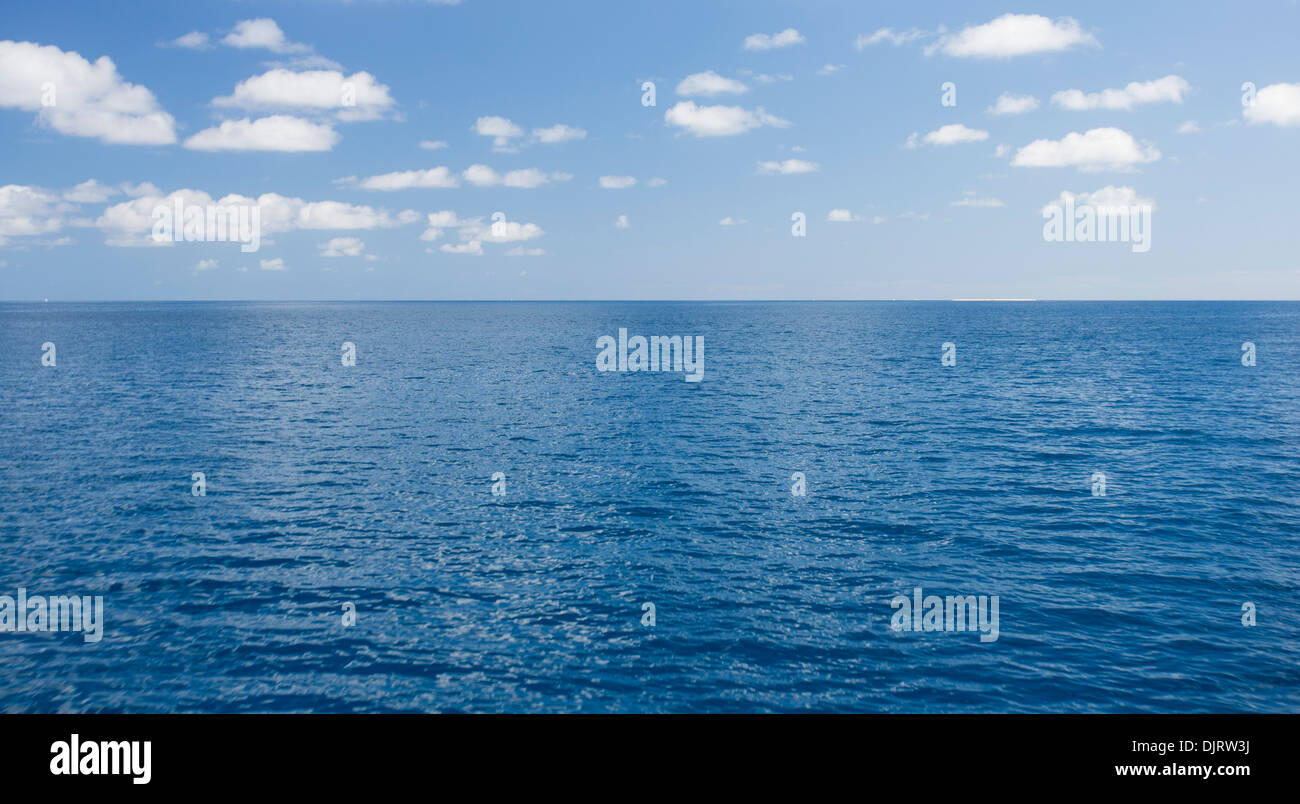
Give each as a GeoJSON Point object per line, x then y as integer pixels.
{"type": "Point", "coordinates": [371, 484]}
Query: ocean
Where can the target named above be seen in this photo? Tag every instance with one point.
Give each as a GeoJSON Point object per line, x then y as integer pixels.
{"type": "Point", "coordinates": [474, 516]}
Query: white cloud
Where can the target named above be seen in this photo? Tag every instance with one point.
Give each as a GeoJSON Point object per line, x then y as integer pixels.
{"type": "Point", "coordinates": [761, 41]}
{"type": "Point", "coordinates": [730, 221]}
{"type": "Point", "coordinates": [617, 182]}
{"type": "Point", "coordinates": [656, 182]}
{"type": "Point", "coordinates": [830, 69]}
{"type": "Point", "coordinates": [520, 251]}
{"type": "Point", "coordinates": [137, 190]}
{"type": "Point", "coordinates": [194, 40]}
{"type": "Point", "coordinates": [438, 177]}
{"type": "Point", "coordinates": [355, 97]}
{"type": "Point", "coordinates": [276, 264]}
{"type": "Point", "coordinates": [474, 232]}
{"type": "Point", "coordinates": [526, 178]}
{"type": "Point", "coordinates": [559, 133]}
{"type": "Point", "coordinates": [1013, 35]}
{"type": "Point", "coordinates": [954, 134]}
{"type": "Point", "coordinates": [1094, 150]}
{"type": "Point", "coordinates": [621, 222]}
{"type": "Point", "coordinates": [887, 35]}
{"type": "Point", "coordinates": [1189, 127]}
{"type": "Point", "coordinates": [433, 145]}
{"type": "Point", "coordinates": [473, 248]}
{"type": "Point", "coordinates": [842, 216]}
{"type": "Point", "coordinates": [262, 33]}
{"type": "Point", "coordinates": [500, 129]}
{"type": "Point", "coordinates": [206, 265]}
{"type": "Point", "coordinates": [446, 219]}
{"type": "Point", "coordinates": [79, 98]}
{"type": "Point", "coordinates": [27, 211]}
{"type": "Point", "coordinates": [130, 223]}
{"type": "Point", "coordinates": [90, 192]}
{"type": "Point", "coordinates": [971, 200]}
{"type": "Point", "coordinates": [1278, 104]}
{"type": "Point", "coordinates": [1108, 199]}
{"type": "Point", "coordinates": [501, 231]}
{"type": "Point", "coordinates": [342, 247]}
{"type": "Point", "coordinates": [1013, 104]}
{"type": "Point", "coordinates": [1169, 89]}
{"type": "Point", "coordinates": [788, 167]}
{"type": "Point", "coordinates": [275, 133]}
{"type": "Point", "coordinates": [709, 83]}
{"type": "Point", "coordinates": [719, 121]}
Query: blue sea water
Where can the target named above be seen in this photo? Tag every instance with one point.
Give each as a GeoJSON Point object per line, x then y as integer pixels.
{"type": "Point", "coordinates": [371, 485]}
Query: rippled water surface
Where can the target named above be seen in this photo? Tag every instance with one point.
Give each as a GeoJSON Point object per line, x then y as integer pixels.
{"type": "Point", "coordinates": [371, 485]}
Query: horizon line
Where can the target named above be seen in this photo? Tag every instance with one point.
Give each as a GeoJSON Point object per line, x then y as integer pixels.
{"type": "Point", "coordinates": [607, 301]}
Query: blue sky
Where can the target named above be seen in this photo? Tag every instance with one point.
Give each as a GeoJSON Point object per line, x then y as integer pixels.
{"type": "Point", "coordinates": [1137, 102]}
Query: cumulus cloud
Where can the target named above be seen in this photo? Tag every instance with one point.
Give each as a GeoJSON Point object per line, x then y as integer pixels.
{"type": "Point", "coordinates": [276, 264]}
{"type": "Point", "coordinates": [433, 145]}
{"type": "Point", "coordinates": [1278, 104]}
{"type": "Point", "coordinates": [472, 248]}
{"type": "Point", "coordinates": [951, 134]}
{"type": "Point", "coordinates": [130, 223]}
{"type": "Point", "coordinates": [1013, 104]}
{"type": "Point", "coordinates": [841, 216]}
{"type": "Point", "coordinates": [526, 178]}
{"type": "Point", "coordinates": [1169, 89]}
{"type": "Point", "coordinates": [617, 182]}
{"type": "Point", "coordinates": [889, 35]}
{"type": "Point", "coordinates": [438, 177]}
{"type": "Point", "coordinates": [500, 129]}
{"type": "Point", "coordinates": [79, 98]}
{"type": "Point", "coordinates": [262, 33]}
{"type": "Point", "coordinates": [520, 251]}
{"type": "Point", "coordinates": [730, 221]}
{"type": "Point", "coordinates": [194, 40]}
{"type": "Point", "coordinates": [342, 247]}
{"type": "Point", "coordinates": [830, 69]}
{"type": "Point", "coordinates": [621, 222]}
{"type": "Point", "coordinates": [275, 133]}
{"type": "Point", "coordinates": [708, 84]}
{"type": "Point", "coordinates": [1013, 35]}
{"type": "Point", "coordinates": [90, 192]}
{"type": "Point", "coordinates": [719, 121]}
{"type": "Point", "coordinates": [787, 167]}
{"type": "Point", "coordinates": [355, 97]}
{"type": "Point", "coordinates": [502, 231]}
{"type": "Point", "coordinates": [1107, 200]}
{"type": "Point", "coordinates": [29, 211]}
{"type": "Point", "coordinates": [206, 265]}
{"type": "Point", "coordinates": [559, 133]}
{"type": "Point", "coordinates": [473, 232]}
{"type": "Point", "coordinates": [438, 221]}
{"type": "Point", "coordinates": [761, 41]}
{"type": "Point", "coordinates": [1189, 127]}
{"type": "Point", "coordinates": [1094, 150]}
